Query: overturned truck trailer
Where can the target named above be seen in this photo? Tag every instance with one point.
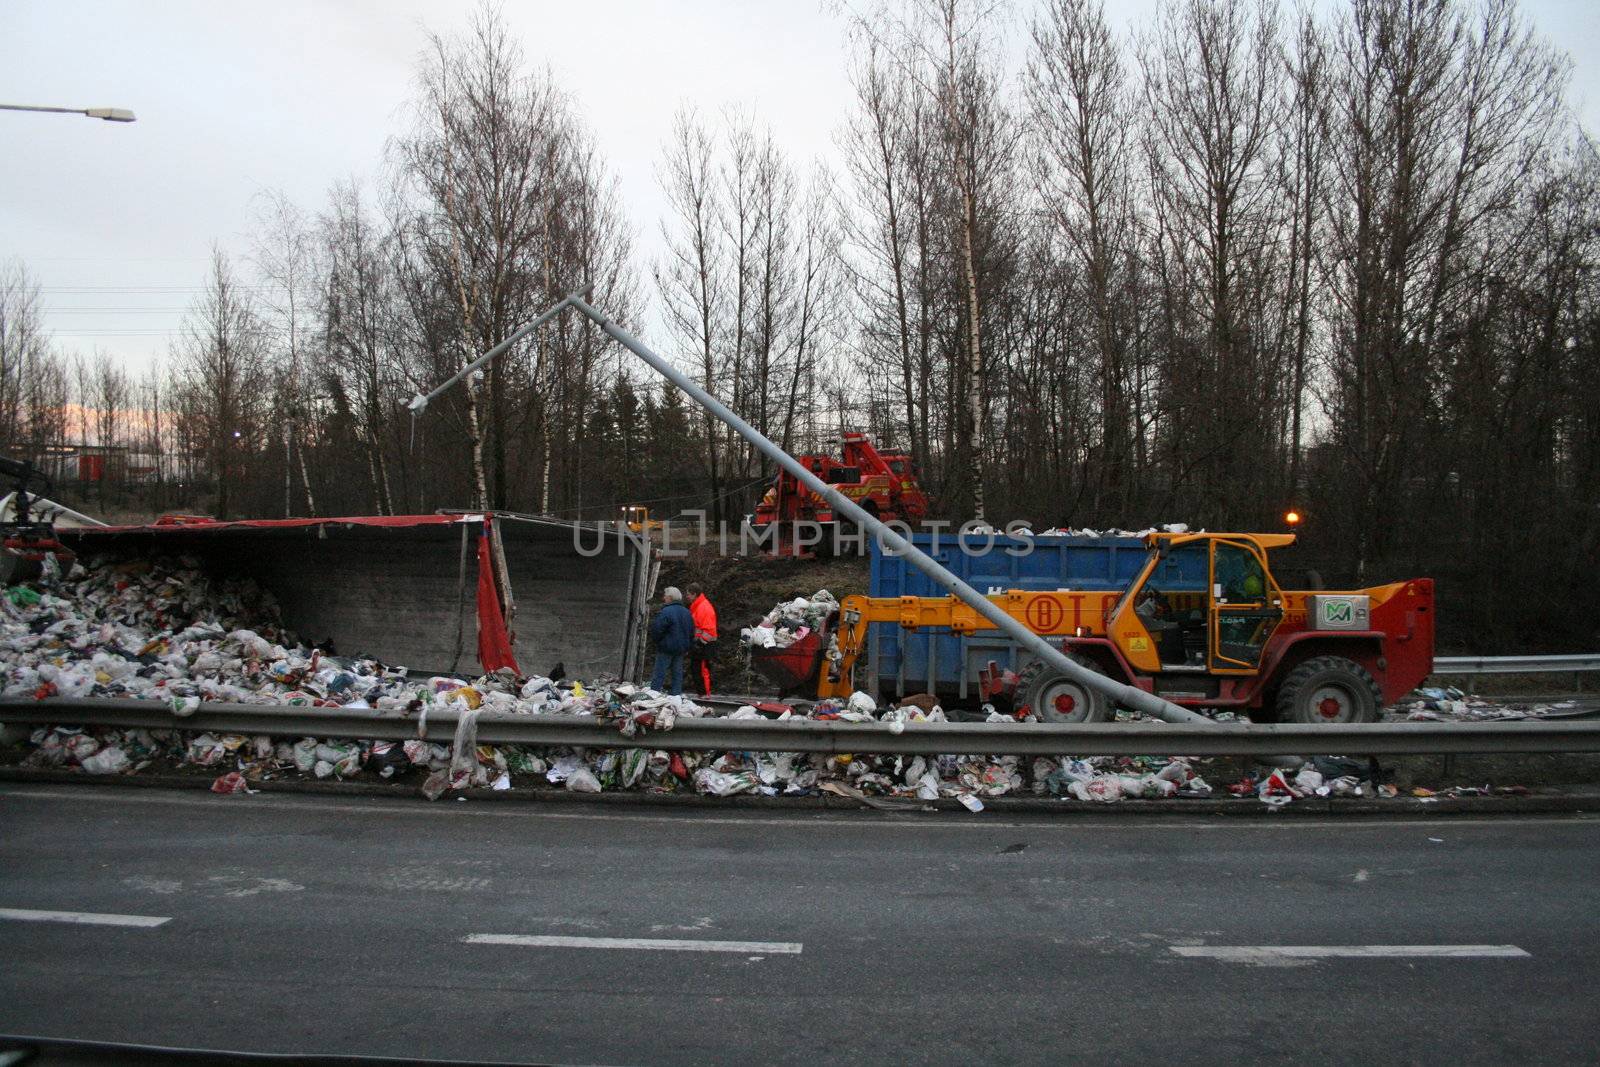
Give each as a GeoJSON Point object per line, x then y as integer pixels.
{"type": "Point", "coordinates": [438, 594]}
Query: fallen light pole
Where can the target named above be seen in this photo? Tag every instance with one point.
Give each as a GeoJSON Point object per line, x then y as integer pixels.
{"type": "Point", "coordinates": [1125, 695]}
{"type": "Point", "coordinates": [419, 401]}
{"type": "Point", "coordinates": [108, 114]}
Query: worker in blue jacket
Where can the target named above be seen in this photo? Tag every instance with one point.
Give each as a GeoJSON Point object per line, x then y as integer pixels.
{"type": "Point", "coordinates": [672, 630]}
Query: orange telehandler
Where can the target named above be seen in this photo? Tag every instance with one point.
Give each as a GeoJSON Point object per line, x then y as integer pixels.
{"type": "Point", "coordinates": [1203, 624]}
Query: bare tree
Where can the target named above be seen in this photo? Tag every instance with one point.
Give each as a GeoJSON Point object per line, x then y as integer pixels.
{"type": "Point", "coordinates": [1439, 117]}
{"type": "Point", "coordinates": [24, 343]}
{"type": "Point", "coordinates": [1302, 167]}
{"type": "Point", "coordinates": [108, 400]}
{"type": "Point", "coordinates": [977, 134]}
{"type": "Point", "coordinates": [1213, 89]}
{"type": "Point", "coordinates": [221, 360]}
{"type": "Point", "coordinates": [284, 258]}
{"type": "Point", "coordinates": [945, 51]}
{"type": "Point", "coordinates": [359, 318]}
{"type": "Point", "coordinates": [814, 320]}
{"type": "Point", "coordinates": [1083, 154]}
{"type": "Point", "coordinates": [881, 150]}
{"type": "Point", "coordinates": [480, 159]}
{"type": "Point", "coordinates": [691, 280]}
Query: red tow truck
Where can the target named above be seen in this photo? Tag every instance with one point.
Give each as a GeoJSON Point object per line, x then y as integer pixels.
{"type": "Point", "coordinates": [885, 484]}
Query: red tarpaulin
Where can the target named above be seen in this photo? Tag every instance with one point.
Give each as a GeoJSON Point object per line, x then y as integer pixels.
{"type": "Point", "coordinates": [494, 644]}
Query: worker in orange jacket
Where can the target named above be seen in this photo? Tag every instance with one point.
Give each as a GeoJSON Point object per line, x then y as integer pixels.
{"type": "Point", "coordinates": [705, 638]}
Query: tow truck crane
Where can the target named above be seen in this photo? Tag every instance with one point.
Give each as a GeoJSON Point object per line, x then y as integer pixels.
{"type": "Point", "coordinates": [884, 484]}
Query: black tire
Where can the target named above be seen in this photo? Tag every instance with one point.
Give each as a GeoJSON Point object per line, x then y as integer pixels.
{"type": "Point", "coordinates": [1054, 697]}
{"type": "Point", "coordinates": [1329, 689]}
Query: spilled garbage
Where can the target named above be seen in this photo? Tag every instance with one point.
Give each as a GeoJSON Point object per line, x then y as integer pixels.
{"type": "Point", "coordinates": [166, 631]}
{"type": "Point", "coordinates": [790, 621]}
{"type": "Point", "coordinates": [1449, 704]}
{"type": "Point", "coordinates": [1023, 530]}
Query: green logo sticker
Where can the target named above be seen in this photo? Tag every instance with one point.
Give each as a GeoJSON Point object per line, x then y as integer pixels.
{"type": "Point", "coordinates": [1338, 611]}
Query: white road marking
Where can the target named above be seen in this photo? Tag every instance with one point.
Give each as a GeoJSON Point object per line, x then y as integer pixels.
{"type": "Point", "coordinates": [899, 822]}
{"type": "Point", "coordinates": [86, 918]}
{"type": "Point", "coordinates": [1269, 953]}
{"type": "Point", "coordinates": [657, 944]}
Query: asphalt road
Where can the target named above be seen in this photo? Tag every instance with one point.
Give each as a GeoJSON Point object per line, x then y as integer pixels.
{"type": "Point", "coordinates": [319, 925]}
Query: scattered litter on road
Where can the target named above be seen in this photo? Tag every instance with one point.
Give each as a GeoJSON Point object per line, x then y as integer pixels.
{"type": "Point", "coordinates": [166, 631]}
{"type": "Point", "coordinates": [1449, 704]}
{"type": "Point", "coordinates": [232, 782]}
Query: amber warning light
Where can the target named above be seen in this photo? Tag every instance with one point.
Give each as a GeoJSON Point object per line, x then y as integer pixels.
{"type": "Point", "coordinates": [1292, 518]}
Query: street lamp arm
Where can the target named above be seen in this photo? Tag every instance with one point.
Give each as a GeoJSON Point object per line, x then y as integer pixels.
{"type": "Point", "coordinates": [109, 114]}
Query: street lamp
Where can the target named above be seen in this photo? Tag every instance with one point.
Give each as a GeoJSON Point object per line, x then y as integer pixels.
{"type": "Point", "coordinates": [110, 114]}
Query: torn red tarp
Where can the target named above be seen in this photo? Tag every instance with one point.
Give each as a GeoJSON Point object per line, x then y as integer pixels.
{"type": "Point", "coordinates": [494, 644]}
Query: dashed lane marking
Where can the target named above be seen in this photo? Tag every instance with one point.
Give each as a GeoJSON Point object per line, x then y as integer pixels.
{"type": "Point", "coordinates": [85, 918]}
{"type": "Point", "coordinates": [652, 944]}
{"type": "Point", "coordinates": [1275, 953]}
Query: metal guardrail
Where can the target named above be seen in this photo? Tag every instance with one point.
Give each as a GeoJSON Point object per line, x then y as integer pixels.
{"type": "Point", "coordinates": [809, 735]}
{"type": "Point", "coordinates": [1515, 664]}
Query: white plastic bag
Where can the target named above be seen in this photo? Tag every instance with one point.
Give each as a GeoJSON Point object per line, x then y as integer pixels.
{"type": "Point", "coordinates": [1105, 788]}
{"type": "Point", "coordinates": [583, 780]}
{"type": "Point", "coordinates": [722, 784]}
{"type": "Point", "coordinates": [107, 761]}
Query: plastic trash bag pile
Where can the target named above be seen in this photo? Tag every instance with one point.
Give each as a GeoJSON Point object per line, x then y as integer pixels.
{"type": "Point", "coordinates": [166, 631]}
{"type": "Point", "coordinates": [1449, 704]}
{"type": "Point", "coordinates": [789, 621]}
{"type": "Point", "coordinates": [1025, 531]}
{"type": "Point", "coordinates": [1106, 779]}
{"type": "Point", "coordinates": [1320, 776]}
{"type": "Point", "coordinates": [220, 655]}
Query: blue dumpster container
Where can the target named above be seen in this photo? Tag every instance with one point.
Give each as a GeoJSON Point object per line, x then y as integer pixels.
{"type": "Point", "coordinates": [934, 660]}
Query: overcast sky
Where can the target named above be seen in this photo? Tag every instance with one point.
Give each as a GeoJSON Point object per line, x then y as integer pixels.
{"type": "Point", "coordinates": [115, 221]}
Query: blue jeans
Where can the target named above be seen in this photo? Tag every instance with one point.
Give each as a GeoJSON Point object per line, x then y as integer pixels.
{"type": "Point", "coordinates": [668, 661]}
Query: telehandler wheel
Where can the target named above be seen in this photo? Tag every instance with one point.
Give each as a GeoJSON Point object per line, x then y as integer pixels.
{"type": "Point", "coordinates": [1054, 697]}
{"type": "Point", "coordinates": [1329, 689]}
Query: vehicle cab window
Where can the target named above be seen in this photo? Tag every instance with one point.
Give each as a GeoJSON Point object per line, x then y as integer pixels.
{"type": "Point", "coordinates": [1172, 605]}
{"type": "Point", "coordinates": [1240, 575]}
{"type": "Point", "coordinates": [1242, 617]}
